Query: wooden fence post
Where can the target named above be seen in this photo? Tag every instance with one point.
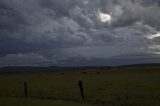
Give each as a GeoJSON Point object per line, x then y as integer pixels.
{"type": "Point", "coordinates": [81, 90]}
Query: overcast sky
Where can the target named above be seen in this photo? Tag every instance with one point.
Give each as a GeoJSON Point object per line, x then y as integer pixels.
{"type": "Point", "coordinates": [79, 32]}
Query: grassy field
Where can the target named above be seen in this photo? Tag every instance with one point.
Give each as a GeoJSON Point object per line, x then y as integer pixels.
{"type": "Point", "coordinates": [119, 87]}
{"type": "Point", "coordinates": [36, 102]}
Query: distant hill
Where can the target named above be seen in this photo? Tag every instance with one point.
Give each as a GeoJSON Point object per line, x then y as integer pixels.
{"type": "Point", "coordinates": [26, 69]}
{"type": "Point", "coordinates": [142, 65]}
{"type": "Point", "coordinates": [17, 69]}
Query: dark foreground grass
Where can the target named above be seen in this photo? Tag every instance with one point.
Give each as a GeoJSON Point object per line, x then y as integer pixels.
{"type": "Point", "coordinates": [122, 87]}
{"type": "Point", "coordinates": [36, 102]}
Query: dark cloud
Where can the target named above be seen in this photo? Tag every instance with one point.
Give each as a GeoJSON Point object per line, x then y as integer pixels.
{"type": "Point", "coordinates": [30, 59]}
{"type": "Point", "coordinates": [64, 30]}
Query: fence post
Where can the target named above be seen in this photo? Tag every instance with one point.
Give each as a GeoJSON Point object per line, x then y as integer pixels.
{"type": "Point", "coordinates": [25, 90]}
{"type": "Point", "coordinates": [81, 90]}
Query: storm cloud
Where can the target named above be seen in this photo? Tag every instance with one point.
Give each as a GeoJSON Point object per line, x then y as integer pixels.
{"type": "Point", "coordinates": [94, 32]}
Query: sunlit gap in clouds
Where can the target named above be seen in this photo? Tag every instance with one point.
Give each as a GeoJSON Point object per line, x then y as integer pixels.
{"type": "Point", "coordinates": [154, 36]}
{"type": "Point", "coordinates": [104, 17]}
{"type": "Point", "coordinates": [155, 48]}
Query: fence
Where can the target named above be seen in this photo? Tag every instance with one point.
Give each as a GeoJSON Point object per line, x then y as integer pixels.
{"type": "Point", "coordinates": [80, 84]}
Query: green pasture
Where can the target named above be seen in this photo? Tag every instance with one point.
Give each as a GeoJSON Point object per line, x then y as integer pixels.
{"type": "Point", "coordinates": [119, 87]}
{"type": "Point", "coordinates": [36, 102]}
